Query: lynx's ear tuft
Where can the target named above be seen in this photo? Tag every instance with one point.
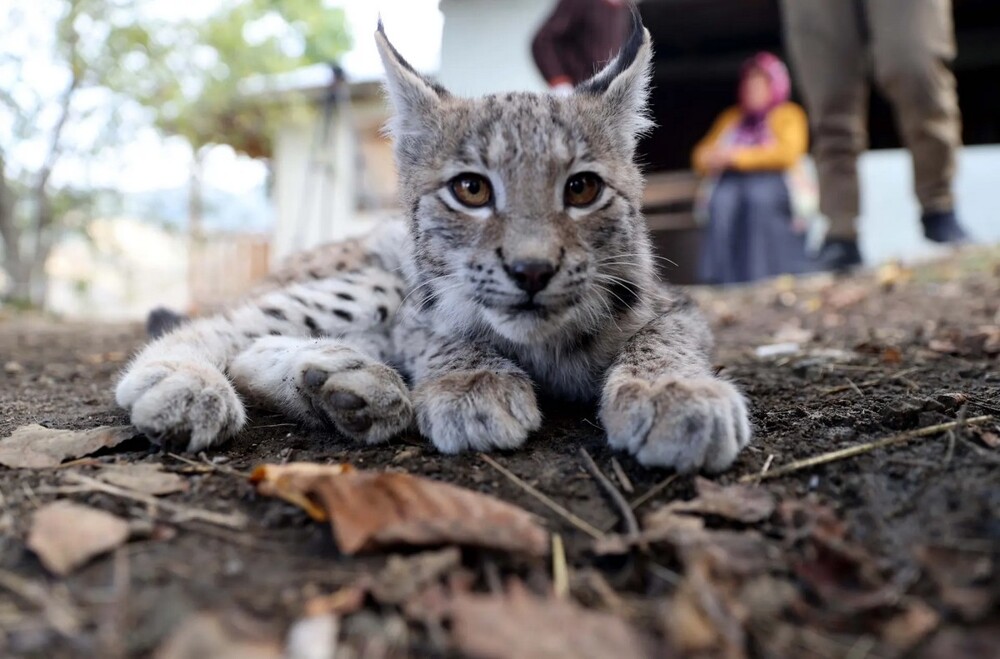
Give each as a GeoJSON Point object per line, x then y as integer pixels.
{"type": "Point", "coordinates": [414, 98]}
{"type": "Point", "coordinates": [623, 85]}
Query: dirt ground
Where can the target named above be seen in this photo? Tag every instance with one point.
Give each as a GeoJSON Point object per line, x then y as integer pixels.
{"type": "Point", "coordinates": [867, 357]}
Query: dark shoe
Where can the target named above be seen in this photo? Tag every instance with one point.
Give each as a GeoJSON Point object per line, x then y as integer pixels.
{"type": "Point", "coordinates": [838, 255]}
{"type": "Point", "coordinates": [943, 227]}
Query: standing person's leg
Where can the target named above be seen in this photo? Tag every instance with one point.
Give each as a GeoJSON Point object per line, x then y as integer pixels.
{"type": "Point", "coordinates": [913, 43]}
{"type": "Point", "coordinates": [718, 239]}
{"type": "Point", "coordinates": [825, 42]}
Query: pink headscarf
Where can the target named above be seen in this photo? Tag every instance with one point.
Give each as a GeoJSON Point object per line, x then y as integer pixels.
{"type": "Point", "coordinates": [753, 128]}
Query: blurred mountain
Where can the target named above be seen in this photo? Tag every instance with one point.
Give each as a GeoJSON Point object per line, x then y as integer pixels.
{"type": "Point", "coordinates": [224, 211]}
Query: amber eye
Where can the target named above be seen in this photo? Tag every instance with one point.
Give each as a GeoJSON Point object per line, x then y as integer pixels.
{"type": "Point", "coordinates": [583, 189]}
{"type": "Point", "coordinates": [471, 190]}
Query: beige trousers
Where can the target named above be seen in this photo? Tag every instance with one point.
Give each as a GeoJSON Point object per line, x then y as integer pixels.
{"type": "Point", "coordinates": [908, 46]}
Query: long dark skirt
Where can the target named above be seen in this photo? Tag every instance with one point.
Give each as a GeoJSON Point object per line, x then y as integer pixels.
{"type": "Point", "coordinates": [749, 235]}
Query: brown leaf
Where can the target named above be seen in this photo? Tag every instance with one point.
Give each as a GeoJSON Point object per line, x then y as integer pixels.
{"type": "Point", "coordinates": [741, 552]}
{"type": "Point", "coordinates": [990, 439]}
{"type": "Point", "coordinates": [966, 580]}
{"type": "Point", "coordinates": [342, 602]}
{"type": "Point", "coordinates": [522, 625]}
{"type": "Point", "coordinates": [66, 535]}
{"type": "Point", "coordinates": [911, 626]}
{"type": "Point", "coordinates": [739, 503]}
{"type": "Point", "coordinates": [219, 636]}
{"type": "Point", "coordinates": [704, 615]}
{"type": "Point", "coordinates": [943, 346]}
{"type": "Point", "coordinates": [963, 642]}
{"type": "Point", "coordinates": [404, 577]}
{"type": "Point", "coordinates": [372, 509]}
{"type": "Point", "coordinates": [841, 572]}
{"type": "Point", "coordinates": [37, 447]}
{"type": "Point", "coordinates": [145, 478]}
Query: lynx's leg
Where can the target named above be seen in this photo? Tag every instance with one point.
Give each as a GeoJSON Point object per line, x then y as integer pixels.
{"type": "Point", "coordinates": [466, 396]}
{"type": "Point", "coordinates": [662, 402]}
{"type": "Point", "coordinates": [327, 381]}
{"type": "Point", "coordinates": [177, 391]}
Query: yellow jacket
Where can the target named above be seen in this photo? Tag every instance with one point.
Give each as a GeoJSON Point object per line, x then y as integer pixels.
{"type": "Point", "coordinates": [789, 126]}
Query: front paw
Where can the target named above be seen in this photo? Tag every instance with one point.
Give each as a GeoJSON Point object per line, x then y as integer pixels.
{"type": "Point", "coordinates": [181, 405]}
{"type": "Point", "coordinates": [688, 424]}
{"type": "Point", "coordinates": [364, 399]}
{"type": "Point", "coordinates": [477, 410]}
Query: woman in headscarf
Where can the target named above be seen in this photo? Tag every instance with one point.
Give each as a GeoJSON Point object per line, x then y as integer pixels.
{"type": "Point", "coordinates": [748, 153]}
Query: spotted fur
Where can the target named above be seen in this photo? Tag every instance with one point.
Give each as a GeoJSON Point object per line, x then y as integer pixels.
{"type": "Point", "coordinates": [437, 297]}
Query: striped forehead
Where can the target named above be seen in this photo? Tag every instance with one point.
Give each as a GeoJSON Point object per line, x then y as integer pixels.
{"type": "Point", "coordinates": [524, 128]}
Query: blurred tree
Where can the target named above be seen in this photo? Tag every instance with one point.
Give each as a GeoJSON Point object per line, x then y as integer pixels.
{"type": "Point", "coordinates": [53, 105]}
{"type": "Point", "coordinates": [112, 55]}
{"type": "Point", "coordinates": [193, 79]}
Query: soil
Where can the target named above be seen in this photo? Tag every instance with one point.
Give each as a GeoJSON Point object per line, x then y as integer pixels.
{"type": "Point", "coordinates": [874, 354]}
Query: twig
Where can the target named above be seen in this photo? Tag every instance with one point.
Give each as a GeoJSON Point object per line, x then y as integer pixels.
{"type": "Point", "coordinates": [861, 449]}
{"type": "Point", "coordinates": [622, 476]}
{"type": "Point", "coordinates": [579, 523]}
{"type": "Point", "coordinates": [631, 524]}
{"type": "Point", "coordinates": [560, 571]}
{"type": "Point", "coordinates": [231, 520]}
{"type": "Point", "coordinates": [767, 465]}
{"type": "Point", "coordinates": [61, 615]}
{"type": "Point", "coordinates": [870, 383]}
{"type": "Point", "coordinates": [652, 492]}
{"type": "Point", "coordinates": [208, 466]}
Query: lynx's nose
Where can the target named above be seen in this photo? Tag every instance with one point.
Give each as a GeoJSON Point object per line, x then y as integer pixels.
{"type": "Point", "coordinates": [531, 276]}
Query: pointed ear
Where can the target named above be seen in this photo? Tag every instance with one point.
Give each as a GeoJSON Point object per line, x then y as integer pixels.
{"type": "Point", "coordinates": [623, 84]}
{"type": "Point", "coordinates": [414, 98]}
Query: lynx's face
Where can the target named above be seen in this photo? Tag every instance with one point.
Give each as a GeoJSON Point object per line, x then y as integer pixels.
{"type": "Point", "coordinates": [524, 207]}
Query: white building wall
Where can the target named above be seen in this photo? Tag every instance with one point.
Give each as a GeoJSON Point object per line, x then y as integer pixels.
{"type": "Point", "coordinates": [314, 187]}
{"type": "Point", "coordinates": [486, 45]}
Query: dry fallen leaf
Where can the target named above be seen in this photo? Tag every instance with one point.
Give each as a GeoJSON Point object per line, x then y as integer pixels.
{"type": "Point", "coordinates": [739, 503]}
{"type": "Point", "coordinates": [38, 447]}
{"type": "Point", "coordinates": [910, 627]}
{"type": "Point", "coordinates": [372, 509]}
{"type": "Point", "coordinates": [705, 615]}
{"type": "Point", "coordinates": [990, 439]}
{"type": "Point", "coordinates": [66, 535]}
{"type": "Point", "coordinates": [342, 602]}
{"type": "Point", "coordinates": [145, 478]}
{"type": "Point", "coordinates": [219, 636]}
{"type": "Point", "coordinates": [521, 625]}
{"type": "Point", "coordinates": [966, 580]}
{"type": "Point", "coordinates": [405, 576]}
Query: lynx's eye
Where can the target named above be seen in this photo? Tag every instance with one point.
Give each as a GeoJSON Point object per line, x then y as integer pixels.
{"type": "Point", "coordinates": [471, 190]}
{"type": "Point", "coordinates": [583, 189]}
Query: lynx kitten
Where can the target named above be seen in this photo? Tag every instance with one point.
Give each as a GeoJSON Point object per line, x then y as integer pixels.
{"type": "Point", "coordinates": [524, 265]}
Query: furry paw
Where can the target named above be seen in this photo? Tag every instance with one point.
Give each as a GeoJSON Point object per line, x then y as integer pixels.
{"type": "Point", "coordinates": [477, 410]}
{"type": "Point", "coordinates": [685, 424]}
{"type": "Point", "coordinates": [363, 398]}
{"type": "Point", "coordinates": [181, 405]}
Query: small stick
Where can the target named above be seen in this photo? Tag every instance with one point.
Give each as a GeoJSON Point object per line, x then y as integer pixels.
{"type": "Point", "coordinates": [861, 449]}
{"type": "Point", "coordinates": [232, 520]}
{"type": "Point", "coordinates": [871, 383]}
{"type": "Point", "coordinates": [763, 470]}
{"type": "Point", "coordinates": [560, 571]}
{"type": "Point", "coordinates": [652, 492]}
{"type": "Point", "coordinates": [61, 615]}
{"type": "Point", "coordinates": [631, 524]}
{"type": "Point", "coordinates": [579, 523]}
{"type": "Point", "coordinates": [621, 476]}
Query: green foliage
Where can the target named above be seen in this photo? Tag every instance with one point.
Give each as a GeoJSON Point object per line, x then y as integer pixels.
{"type": "Point", "coordinates": [192, 73]}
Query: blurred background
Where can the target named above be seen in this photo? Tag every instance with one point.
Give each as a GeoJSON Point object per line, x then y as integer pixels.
{"type": "Point", "coordinates": [156, 153]}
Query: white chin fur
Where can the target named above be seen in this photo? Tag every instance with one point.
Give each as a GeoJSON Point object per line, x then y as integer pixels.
{"type": "Point", "coordinates": [524, 327]}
